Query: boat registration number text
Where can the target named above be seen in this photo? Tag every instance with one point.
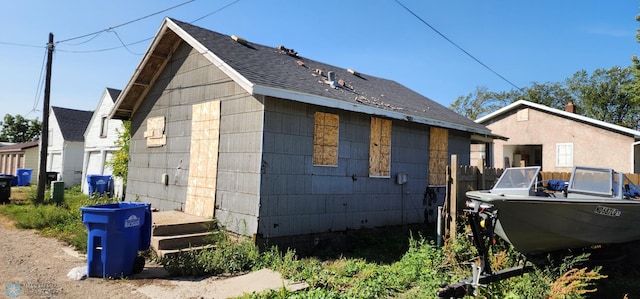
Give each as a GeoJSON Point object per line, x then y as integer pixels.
{"type": "Point", "coordinates": [607, 211]}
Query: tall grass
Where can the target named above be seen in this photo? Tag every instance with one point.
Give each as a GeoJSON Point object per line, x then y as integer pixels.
{"type": "Point", "coordinates": [382, 264]}
{"type": "Point", "coordinates": [63, 221]}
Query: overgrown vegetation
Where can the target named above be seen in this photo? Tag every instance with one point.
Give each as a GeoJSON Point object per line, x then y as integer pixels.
{"type": "Point", "coordinates": [120, 161]}
{"type": "Point", "coordinates": [391, 262]}
{"type": "Point", "coordinates": [417, 273]}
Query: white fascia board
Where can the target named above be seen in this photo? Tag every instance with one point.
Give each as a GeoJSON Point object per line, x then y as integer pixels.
{"type": "Point", "coordinates": [634, 133]}
{"type": "Point", "coordinates": [332, 103]}
{"type": "Point", "coordinates": [213, 58]}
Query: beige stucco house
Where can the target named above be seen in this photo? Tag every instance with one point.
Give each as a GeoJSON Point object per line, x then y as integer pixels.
{"type": "Point", "coordinates": [19, 155]}
{"type": "Point", "coordinates": [557, 140]}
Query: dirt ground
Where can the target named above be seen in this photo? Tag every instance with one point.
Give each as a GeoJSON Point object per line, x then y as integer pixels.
{"type": "Point", "coordinates": [32, 266]}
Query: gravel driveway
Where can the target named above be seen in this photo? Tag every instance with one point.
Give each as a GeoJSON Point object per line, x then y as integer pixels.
{"type": "Point", "coordinates": [32, 266]}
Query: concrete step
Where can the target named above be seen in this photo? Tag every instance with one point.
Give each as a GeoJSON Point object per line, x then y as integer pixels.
{"type": "Point", "coordinates": [181, 241]}
{"type": "Point", "coordinates": [175, 231]}
{"type": "Point", "coordinates": [170, 223]}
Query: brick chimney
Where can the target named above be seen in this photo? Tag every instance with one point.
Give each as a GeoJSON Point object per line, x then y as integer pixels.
{"type": "Point", "coordinates": [570, 107]}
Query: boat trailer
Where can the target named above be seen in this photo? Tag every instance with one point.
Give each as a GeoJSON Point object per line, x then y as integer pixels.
{"type": "Point", "coordinates": [482, 218]}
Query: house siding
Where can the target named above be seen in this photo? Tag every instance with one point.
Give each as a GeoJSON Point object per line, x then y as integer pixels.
{"type": "Point", "coordinates": [592, 146]}
{"type": "Point", "coordinates": [266, 185]}
{"type": "Point", "coordinates": [299, 198]}
{"type": "Point", "coordinates": [99, 149]}
{"type": "Point", "coordinates": [186, 80]}
{"type": "Point", "coordinates": [72, 164]}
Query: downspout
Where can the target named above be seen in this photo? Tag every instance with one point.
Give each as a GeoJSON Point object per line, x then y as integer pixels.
{"type": "Point", "coordinates": [85, 165]}
{"type": "Point", "coordinates": [63, 169]}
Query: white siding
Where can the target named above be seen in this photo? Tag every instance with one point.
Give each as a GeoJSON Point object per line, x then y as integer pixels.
{"type": "Point", "coordinates": [98, 149]}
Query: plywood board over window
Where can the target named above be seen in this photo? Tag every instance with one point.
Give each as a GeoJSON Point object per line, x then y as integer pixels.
{"type": "Point", "coordinates": [380, 148]}
{"type": "Point", "coordinates": [155, 132]}
{"type": "Point", "coordinates": [325, 139]}
{"type": "Point", "coordinates": [438, 155]}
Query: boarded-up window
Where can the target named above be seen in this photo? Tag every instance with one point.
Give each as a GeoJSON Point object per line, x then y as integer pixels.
{"type": "Point", "coordinates": [438, 156]}
{"type": "Point", "coordinates": [155, 132]}
{"type": "Point", "coordinates": [380, 148]}
{"type": "Point", "coordinates": [325, 139]}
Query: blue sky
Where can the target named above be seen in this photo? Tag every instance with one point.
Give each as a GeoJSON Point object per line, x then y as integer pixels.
{"type": "Point", "coordinates": [524, 41]}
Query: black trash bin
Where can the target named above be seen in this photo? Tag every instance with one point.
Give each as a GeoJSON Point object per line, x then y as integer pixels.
{"type": "Point", "coordinates": [5, 188]}
{"type": "Point", "coordinates": [52, 176]}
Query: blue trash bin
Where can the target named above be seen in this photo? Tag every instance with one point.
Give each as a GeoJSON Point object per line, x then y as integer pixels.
{"type": "Point", "coordinates": [24, 176]}
{"type": "Point", "coordinates": [116, 233]}
{"type": "Point", "coordinates": [102, 184]}
{"type": "Point", "coordinates": [91, 183]}
{"type": "Point", "coordinates": [98, 183]}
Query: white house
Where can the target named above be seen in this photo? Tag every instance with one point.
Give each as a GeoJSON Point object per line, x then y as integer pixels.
{"type": "Point", "coordinates": [100, 138]}
{"type": "Point", "coordinates": [66, 143]}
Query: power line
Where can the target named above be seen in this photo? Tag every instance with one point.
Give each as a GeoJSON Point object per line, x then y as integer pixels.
{"type": "Point", "coordinates": [40, 83]}
{"type": "Point", "coordinates": [125, 23]}
{"type": "Point", "coordinates": [140, 41]}
{"type": "Point", "coordinates": [106, 49]}
{"type": "Point", "coordinates": [123, 44]}
{"type": "Point", "coordinates": [457, 46]}
{"type": "Point", "coordinates": [215, 11]}
{"type": "Point", "coordinates": [21, 45]}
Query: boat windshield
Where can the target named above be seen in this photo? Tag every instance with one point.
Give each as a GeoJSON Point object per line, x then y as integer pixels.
{"type": "Point", "coordinates": [518, 178]}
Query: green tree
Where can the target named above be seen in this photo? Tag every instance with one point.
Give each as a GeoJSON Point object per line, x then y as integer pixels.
{"type": "Point", "coordinates": [19, 129]}
{"type": "Point", "coordinates": [478, 103]}
{"type": "Point", "coordinates": [611, 96]}
{"type": "Point", "coordinates": [634, 87]}
{"type": "Point", "coordinates": [553, 95]}
{"type": "Point", "coordinates": [482, 102]}
{"type": "Point", "coordinates": [607, 95]}
{"type": "Point", "coordinates": [120, 161]}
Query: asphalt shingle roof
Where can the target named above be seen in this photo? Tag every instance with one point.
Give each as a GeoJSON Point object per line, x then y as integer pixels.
{"type": "Point", "coordinates": [19, 146]}
{"type": "Point", "coordinates": [275, 68]}
{"type": "Point", "coordinates": [113, 93]}
{"type": "Point", "coordinates": [73, 123]}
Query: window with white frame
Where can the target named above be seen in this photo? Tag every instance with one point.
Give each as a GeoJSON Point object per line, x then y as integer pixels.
{"type": "Point", "coordinates": [564, 154]}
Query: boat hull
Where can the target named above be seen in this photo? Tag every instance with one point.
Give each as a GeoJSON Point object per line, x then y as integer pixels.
{"type": "Point", "coordinates": [537, 225]}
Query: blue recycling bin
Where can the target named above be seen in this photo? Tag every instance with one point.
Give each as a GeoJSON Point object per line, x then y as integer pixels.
{"type": "Point", "coordinates": [24, 176]}
{"type": "Point", "coordinates": [116, 233]}
{"type": "Point", "coordinates": [98, 183]}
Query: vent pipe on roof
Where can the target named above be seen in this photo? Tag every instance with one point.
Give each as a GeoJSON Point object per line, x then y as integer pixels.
{"type": "Point", "coordinates": [331, 76]}
{"type": "Point", "coordinates": [239, 40]}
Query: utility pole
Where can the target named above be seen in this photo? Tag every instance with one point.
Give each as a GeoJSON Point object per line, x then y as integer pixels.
{"type": "Point", "coordinates": [44, 134]}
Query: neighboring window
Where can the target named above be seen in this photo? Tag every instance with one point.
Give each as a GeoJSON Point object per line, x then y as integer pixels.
{"type": "Point", "coordinates": [104, 126]}
{"type": "Point", "coordinates": [564, 154]}
{"type": "Point", "coordinates": [325, 139]}
{"type": "Point", "coordinates": [380, 148]}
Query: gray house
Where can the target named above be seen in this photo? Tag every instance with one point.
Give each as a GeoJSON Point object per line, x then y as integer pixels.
{"type": "Point", "coordinates": [274, 144]}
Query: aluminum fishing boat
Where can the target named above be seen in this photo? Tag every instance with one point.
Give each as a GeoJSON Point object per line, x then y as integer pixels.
{"type": "Point", "coordinates": [596, 206]}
